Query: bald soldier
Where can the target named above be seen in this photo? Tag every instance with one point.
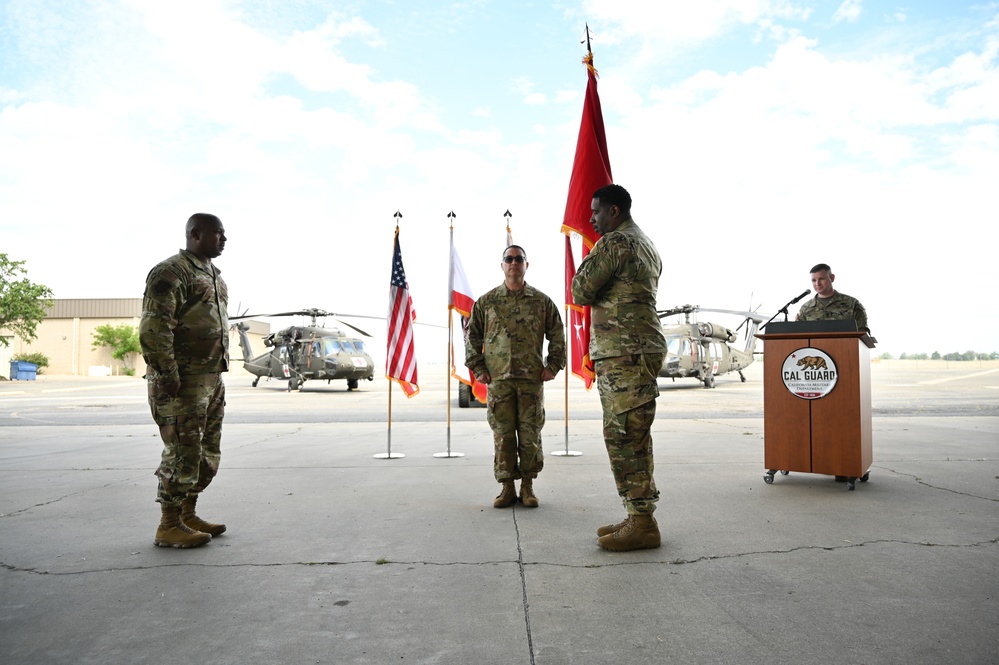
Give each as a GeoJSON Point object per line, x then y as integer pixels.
{"type": "Point", "coordinates": [619, 279]}
{"type": "Point", "coordinates": [506, 335]}
{"type": "Point", "coordinates": [828, 303]}
{"type": "Point", "coordinates": [184, 335]}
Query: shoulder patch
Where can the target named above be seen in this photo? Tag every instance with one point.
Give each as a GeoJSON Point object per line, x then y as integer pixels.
{"type": "Point", "coordinates": [161, 287]}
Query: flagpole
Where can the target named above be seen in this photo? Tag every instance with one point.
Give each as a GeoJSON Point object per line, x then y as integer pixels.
{"type": "Point", "coordinates": [568, 350]}
{"type": "Point", "coordinates": [450, 341]}
{"type": "Point", "coordinates": [390, 454]}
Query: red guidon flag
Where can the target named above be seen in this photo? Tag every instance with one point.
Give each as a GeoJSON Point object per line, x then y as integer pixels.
{"type": "Point", "coordinates": [591, 170]}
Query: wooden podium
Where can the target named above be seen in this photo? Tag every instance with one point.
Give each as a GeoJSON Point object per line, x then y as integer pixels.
{"type": "Point", "coordinates": [817, 400]}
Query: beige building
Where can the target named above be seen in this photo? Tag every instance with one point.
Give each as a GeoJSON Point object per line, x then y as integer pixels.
{"type": "Point", "coordinates": [65, 336]}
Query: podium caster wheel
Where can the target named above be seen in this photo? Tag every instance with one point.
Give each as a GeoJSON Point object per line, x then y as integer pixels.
{"type": "Point", "coordinates": [768, 479]}
{"type": "Point", "coordinates": [864, 477]}
{"type": "Point", "coordinates": [851, 484]}
{"type": "Point", "coordinates": [784, 473]}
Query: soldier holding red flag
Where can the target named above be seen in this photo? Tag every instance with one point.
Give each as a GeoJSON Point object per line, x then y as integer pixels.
{"type": "Point", "coordinates": [619, 279]}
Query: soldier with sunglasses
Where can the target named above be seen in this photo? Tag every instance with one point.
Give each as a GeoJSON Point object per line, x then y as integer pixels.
{"type": "Point", "coordinates": [506, 335]}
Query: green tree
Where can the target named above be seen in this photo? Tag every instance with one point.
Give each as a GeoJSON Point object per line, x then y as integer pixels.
{"type": "Point", "coordinates": [22, 302]}
{"type": "Point", "coordinates": [935, 356]}
{"type": "Point", "coordinates": [123, 340]}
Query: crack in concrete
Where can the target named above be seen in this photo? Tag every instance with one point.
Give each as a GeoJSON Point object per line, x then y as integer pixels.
{"type": "Point", "coordinates": [523, 584]}
{"type": "Point", "coordinates": [938, 487]}
{"type": "Point", "coordinates": [72, 494]}
{"type": "Point", "coordinates": [519, 562]}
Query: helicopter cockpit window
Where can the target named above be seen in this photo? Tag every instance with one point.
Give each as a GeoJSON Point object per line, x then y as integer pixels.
{"type": "Point", "coordinates": [331, 346]}
{"type": "Point", "coordinates": [359, 345]}
{"type": "Point", "coordinates": [685, 349]}
{"type": "Point", "coordinates": [673, 346]}
{"type": "Point", "coordinates": [348, 346]}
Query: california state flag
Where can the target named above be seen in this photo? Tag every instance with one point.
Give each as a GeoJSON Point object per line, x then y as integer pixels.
{"type": "Point", "coordinates": [460, 299]}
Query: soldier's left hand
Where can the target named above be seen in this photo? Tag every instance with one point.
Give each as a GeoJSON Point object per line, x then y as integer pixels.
{"type": "Point", "coordinates": [547, 374]}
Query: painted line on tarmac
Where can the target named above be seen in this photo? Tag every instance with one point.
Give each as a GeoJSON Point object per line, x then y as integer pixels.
{"type": "Point", "coordinates": [933, 382]}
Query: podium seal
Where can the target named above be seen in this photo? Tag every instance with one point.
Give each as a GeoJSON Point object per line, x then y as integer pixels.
{"type": "Point", "coordinates": [809, 373]}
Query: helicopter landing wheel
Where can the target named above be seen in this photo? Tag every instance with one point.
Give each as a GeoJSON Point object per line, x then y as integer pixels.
{"type": "Point", "coordinates": [294, 384]}
{"type": "Point", "coordinates": [351, 384]}
{"type": "Point", "coordinates": [255, 381]}
{"type": "Point", "coordinates": [709, 381]}
{"type": "Point", "coordinates": [742, 376]}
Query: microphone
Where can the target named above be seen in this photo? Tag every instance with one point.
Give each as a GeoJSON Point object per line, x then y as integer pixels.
{"type": "Point", "coordinates": [807, 291]}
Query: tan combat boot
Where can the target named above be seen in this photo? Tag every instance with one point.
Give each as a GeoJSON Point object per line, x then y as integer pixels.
{"type": "Point", "coordinates": [191, 520]}
{"type": "Point", "coordinates": [174, 533]}
{"type": "Point", "coordinates": [640, 533]}
{"type": "Point", "coordinates": [612, 528]}
{"type": "Point", "coordinates": [507, 497]}
{"type": "Point", "coordinates": [527, 493]}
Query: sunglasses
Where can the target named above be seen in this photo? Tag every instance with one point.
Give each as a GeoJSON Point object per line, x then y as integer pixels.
{"type": "Point", "coordinates": [513, 259]}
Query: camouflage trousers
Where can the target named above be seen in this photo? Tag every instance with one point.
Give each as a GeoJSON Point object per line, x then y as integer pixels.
{"type": "Point", "coordinates": [516, 414]}
{"type": "Point", "coordinates": [191, 429]}
{"type": "Point", "coordinates": [628, 391]}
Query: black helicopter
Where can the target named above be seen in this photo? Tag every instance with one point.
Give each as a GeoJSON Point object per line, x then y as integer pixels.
{"type": "Point", "coordinates": [302, 353]}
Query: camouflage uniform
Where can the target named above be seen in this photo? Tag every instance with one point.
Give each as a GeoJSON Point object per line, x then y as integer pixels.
{"type": "Point", "coordinates": [619, 279]}
{"type": "Point", "coordinates": [506, 333]}
{"type": "Point", "coordinates": [839, 306]}
{"type": "Point", "coordinates": [184, 334]}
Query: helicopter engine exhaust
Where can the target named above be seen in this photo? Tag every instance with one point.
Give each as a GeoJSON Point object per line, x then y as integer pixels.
{"type": "Point", "coordinates": [715, 331]}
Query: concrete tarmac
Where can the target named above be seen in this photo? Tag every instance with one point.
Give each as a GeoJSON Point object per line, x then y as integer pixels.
{"type": "Point", "coordinates": [334, 556]}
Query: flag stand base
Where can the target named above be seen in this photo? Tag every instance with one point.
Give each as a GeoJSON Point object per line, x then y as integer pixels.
{"type": "Point", "coordinates": [449, 454]}
{"type": "Point", "coordinates": [567, 453]}
{"type": "Point", "coordinates": [389, 455]}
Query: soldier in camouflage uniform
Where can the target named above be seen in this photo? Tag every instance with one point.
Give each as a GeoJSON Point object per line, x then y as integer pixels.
{"type": "Point", "coordinates": [506, 334]}
{"type": "Point", "coordinates": [828, 303]}
{"type": "Point", "coordinates": [184, 334]}
{"type": "Point", "coordinates": [619, 279]}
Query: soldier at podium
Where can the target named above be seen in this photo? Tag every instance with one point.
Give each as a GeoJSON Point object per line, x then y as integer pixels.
{"type": "Point", "coordinates": [829, 304]}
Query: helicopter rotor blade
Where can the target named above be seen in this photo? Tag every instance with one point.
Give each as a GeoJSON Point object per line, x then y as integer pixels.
{"type": "Point", "coordinates": [322, 313]}
{"type": "Point", "coordinates": [682, 309]}
{"type": "Point", "coordinates": [756, 316]}
{"type": "Point", "coordinates": [244, 315]}
{"type": "Point", "coordinates": [353, 327]}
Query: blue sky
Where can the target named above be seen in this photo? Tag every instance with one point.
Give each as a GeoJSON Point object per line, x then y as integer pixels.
{"type": "Point", "coordinates": [757, 138]}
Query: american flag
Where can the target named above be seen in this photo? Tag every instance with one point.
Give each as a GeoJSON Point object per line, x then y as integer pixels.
{"type": "Point", "coordinates": [400, 362]}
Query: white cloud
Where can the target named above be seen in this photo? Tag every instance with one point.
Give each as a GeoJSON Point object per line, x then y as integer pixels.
{"type": "Point", "coordinates": [849, 11]}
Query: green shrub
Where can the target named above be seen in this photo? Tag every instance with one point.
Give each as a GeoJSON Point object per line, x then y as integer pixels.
{"type": "Point", "coordinates": [39, 359]}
